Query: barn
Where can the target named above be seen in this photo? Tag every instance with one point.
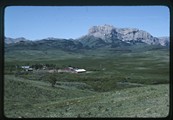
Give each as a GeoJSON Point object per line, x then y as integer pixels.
{"type": "Point", "coordinates": [71, 70]}
{"type": "Point", "coordinates": [80, 70]}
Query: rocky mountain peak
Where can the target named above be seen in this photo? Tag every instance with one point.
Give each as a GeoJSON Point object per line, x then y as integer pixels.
{"type": "Point", "coordinates": [134, 34]}
{"type": "Point", "coordinates": [111, 34]}
{"type": "Point", "coordinates": [104, 29]}
{"type": "Point", "coordinates": [106, 32]}
{"type": "Point", "coordinates": [164, 41]}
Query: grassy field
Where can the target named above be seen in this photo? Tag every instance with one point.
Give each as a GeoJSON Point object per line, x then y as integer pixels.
{"type": "Point", "coordinates": [30, 99]}
{"type": "Point", "coordinates": [128, 84]}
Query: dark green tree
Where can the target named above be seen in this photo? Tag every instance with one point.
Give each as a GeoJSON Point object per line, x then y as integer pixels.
{"type": "Point", "coordinates": [52, 79]}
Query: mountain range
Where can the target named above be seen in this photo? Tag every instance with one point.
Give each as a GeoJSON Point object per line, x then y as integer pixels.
{"type": "Point", "coordinates": [97, 37]}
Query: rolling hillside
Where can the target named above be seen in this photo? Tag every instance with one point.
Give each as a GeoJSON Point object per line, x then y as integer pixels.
{"type": "Point", "coordinates": [31, 99]}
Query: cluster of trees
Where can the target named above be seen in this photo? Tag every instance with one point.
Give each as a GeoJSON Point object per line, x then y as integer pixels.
{"type": "Point", "coordinates": [35, 66]}
{"type": "Point", "coordinates": [40, 66]}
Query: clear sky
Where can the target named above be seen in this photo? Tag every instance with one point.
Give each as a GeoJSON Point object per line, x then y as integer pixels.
{"type": "Point", "coordinates": [34, 22]}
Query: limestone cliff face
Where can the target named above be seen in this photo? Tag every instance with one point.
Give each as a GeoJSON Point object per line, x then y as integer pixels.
{"type": "Point", "coordinates": [133, 34]}
{"type": "Point", "coordinates": [107, 32]}
{"type": "Point", "coordinates": [110, 34]}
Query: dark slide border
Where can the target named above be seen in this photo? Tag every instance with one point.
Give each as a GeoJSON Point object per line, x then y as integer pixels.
{"type": "Point", "coordinates": [6, 3]}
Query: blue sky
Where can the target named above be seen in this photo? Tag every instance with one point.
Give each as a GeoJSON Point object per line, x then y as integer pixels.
{"type": "Point", "coordinates": [34, 22]}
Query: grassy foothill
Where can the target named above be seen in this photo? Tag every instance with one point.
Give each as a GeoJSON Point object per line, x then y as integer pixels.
{"type": "Point", "coordinates": [129, 84]}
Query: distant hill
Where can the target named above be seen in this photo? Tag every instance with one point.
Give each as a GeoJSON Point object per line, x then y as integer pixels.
{"type": "Point", "coordinates": [9, 40]}
{"type": "Point", "coordinates": [164, 41]}
{"type": "Point", "coordinates": [97, 37]}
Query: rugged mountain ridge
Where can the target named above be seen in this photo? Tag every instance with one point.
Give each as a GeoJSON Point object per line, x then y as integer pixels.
{"type": "Point", "coordinates": [97, 36]}
{"type": "Point", "coordinates": [9, 40]}
{"type": "Point", "coordinates": [110, 34]}
{"type": "Point", "coordinates": [164, 41]}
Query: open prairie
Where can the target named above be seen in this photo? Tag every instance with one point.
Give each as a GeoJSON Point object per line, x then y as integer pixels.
{"type": "Point", "coordinates": [115, 84]}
